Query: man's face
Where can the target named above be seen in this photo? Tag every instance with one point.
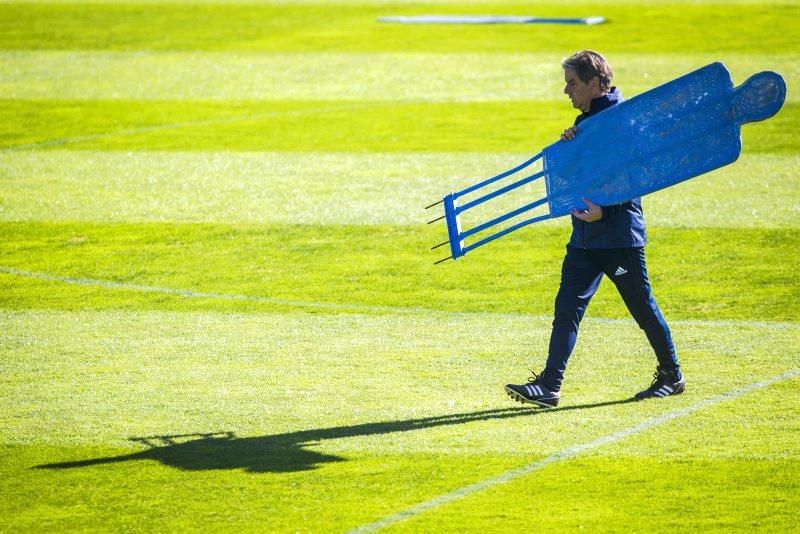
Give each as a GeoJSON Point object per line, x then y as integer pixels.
{"type": "Point", "coordinates": [580, 93]}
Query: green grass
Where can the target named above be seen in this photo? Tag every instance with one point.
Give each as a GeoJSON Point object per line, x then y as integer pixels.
{"type": "Point", "coordinates": [405, 76]}
{"type": "Point", "coordinates": [218, 310]}
{"type": "Point", "coordinates": [70, 370]}
{"type": "Point", "coordinates": [759, 190]}
{"type": "Point", "coordinates": [311, 126]}
{"type": "Point", "coordinates": [382, 266]}
{"type": "Point", "coordinates": [645, 28]}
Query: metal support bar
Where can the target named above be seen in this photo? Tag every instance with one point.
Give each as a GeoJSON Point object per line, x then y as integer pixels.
{"type": "Point", "coordinates": [504, 232]}
{"type": "Point", "coordinates": [452, 211]}
{"type": "Point", "coordinates": [500, 191]}
{"type": "Point", "coordinates": [498, 177]}
{"type": "Point", "coordinates": [501, 218]}
{"type": "Point", "coordinates": [453, 227]}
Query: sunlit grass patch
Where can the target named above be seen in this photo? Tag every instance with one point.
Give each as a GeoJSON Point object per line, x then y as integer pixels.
{"type": "Point", "coordinates": [757, 191]}
{"type": "Point", "coordinates": [350, 76]}
{"type": "Point", "coordinates": [313, 126]}
{"type": "Point", "coordinates": [332, 267]}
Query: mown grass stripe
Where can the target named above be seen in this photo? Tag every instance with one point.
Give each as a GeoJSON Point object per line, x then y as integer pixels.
{"type": "Point", "coordinates": [294, 126]}
{"type": "Point", "coordinates": [398, 2]}
{"type": "Point", "coordinates": [353, 76]}
{"type": "Point", "coordinates": [356, 308]}
{"type": "Point", "coordinates": [317, 126]}
{"type": "Point", "coordinates": [692, 27]}
{"type": "Point", "coordinates": [699, 273]}
{"type": "Point", "coordinates": [332, 107]}
{"type": "Point", "coordinates": [341, 188]}
{"type": "Point", "coordinates": [189, 293]}
{"type": "Point", "coordinates": [571, 452]}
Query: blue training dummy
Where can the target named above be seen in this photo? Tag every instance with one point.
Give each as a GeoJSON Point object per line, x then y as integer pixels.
{"type": "Point", "coordinates": [679, 130]}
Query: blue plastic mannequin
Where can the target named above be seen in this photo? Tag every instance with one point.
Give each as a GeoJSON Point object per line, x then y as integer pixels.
{"type": "Point", "coordinates": [679, 130]}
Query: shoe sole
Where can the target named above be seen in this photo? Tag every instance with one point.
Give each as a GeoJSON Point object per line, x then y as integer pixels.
{"type": "Point", "coordinates": [519, 398]}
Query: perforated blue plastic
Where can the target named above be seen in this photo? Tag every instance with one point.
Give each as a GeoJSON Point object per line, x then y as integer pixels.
{"type": "Point", "coordinates": [677, 131]}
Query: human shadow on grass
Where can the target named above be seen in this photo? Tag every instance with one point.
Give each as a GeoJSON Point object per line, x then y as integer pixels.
{"type": "Point", "coordinates": [287, 452]}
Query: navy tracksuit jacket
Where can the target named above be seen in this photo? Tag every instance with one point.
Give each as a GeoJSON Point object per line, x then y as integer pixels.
{"type": "Point", "coordinates": [613, 246]}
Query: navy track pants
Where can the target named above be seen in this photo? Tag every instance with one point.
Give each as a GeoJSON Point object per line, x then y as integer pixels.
{"type": "Point", "coordinates": [581, 273]}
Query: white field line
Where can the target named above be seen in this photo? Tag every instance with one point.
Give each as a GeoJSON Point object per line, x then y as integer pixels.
{"type": "Point", "coordinates": [570, 452]}
{"type": "Point", "coordinates": [177, 125]}
{"type": "Point", "coordinates": [355, 308]}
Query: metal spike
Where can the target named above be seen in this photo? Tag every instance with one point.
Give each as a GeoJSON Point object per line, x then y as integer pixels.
{"type": "Point", "coordinates": [434, 204]}
{"type": "Point", "coordinates": [437, 219]}
{"type": "Point", "coordinates": [440, 245]}
{"type": "Point", "coordinates": [443, 260]}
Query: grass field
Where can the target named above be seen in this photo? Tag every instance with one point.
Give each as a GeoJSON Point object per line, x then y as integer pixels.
{"type": "Point", "coordinates": [218, 310]}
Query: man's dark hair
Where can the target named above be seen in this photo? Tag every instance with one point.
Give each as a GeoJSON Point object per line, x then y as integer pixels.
{"type": "Point", "coordinates": [588, 64]}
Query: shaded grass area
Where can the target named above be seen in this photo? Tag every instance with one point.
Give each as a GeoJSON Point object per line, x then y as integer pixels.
{"type": "Point", "coordinates": [305, 126]}
{"type": "Point", "coordinates": [683, 28]}
{"type": "Point", "coordinates": [697, 273]}
{"type": "Point", "coordinates": [141, 495]}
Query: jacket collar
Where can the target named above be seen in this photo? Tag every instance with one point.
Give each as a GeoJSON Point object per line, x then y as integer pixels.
{"type": "Point", "coordinates": [604, 102]}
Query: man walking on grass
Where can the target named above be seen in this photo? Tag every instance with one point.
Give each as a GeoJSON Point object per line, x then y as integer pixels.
{"type": "Point", "coordinates": [606, 240]}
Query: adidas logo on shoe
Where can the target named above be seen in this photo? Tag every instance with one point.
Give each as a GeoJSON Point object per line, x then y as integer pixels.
{"type": "Point", "coordinates": [534, 392]}
{"type": "Point", "coordinates": [665, 383]}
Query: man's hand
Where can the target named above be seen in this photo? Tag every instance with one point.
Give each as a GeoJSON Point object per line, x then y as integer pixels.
{"type": "Point", "coordinates": [591, 214]}
{"type": "Point", "coordinates": [569, 134]}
